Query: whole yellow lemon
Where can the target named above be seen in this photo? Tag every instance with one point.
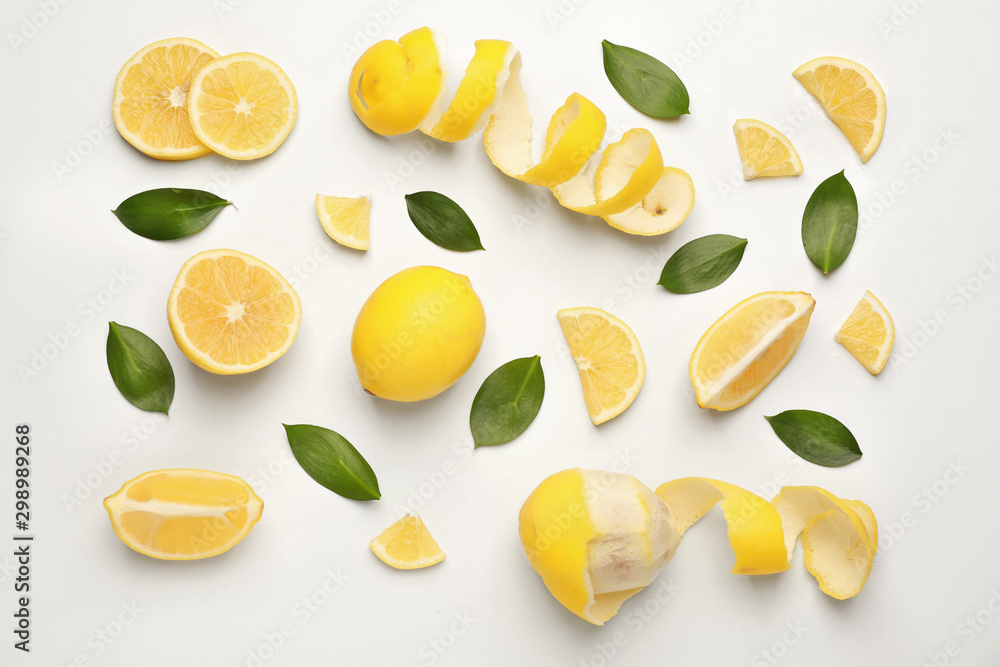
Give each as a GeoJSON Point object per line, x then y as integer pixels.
{"type": "Point", "coordinates": [417, 333]}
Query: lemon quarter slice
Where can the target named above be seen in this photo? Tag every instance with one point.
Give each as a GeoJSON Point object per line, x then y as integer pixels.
{"type": "Point", "coordinates": [868, 334]}
{"type": "Point", "coordinates": [232, 313]}
{"type": "Point", "coordinates": [183, 514]}
{"type": "Point", "coordinates": [407, 545]}
{"type": "Point", "coordinates": [345, 219]}
{"type": "Point", "coordinates": [764, 150]}
{"type": "Point", "coordinates": [150, 101]}
{"type": "Point", "coordinates": [608, 357]}
{"type": "Point", "coordinates": [242, 106]}
{"type": "Point", "coordinates": [851, 97]}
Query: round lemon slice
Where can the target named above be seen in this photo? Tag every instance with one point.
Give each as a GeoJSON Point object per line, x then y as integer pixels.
{"type": "Point", "coordinates": [183, 514]}
{"type": "Point", "coordinates": [407, 545]}
{"type": "Point", "coordinates": [868, 334]}
{"type": "Point", "coordinates": [150, 100]}
{"type": "Point", "coordinates": [851, 97]}
{"type": "Point", "coordinates": [765, 151]}
{"type": "Point", "coordinates": [242, 106]}
{"type": "Point", "coordinates": [747, 347]}
{"type": "Point", "coordinates": [232, 313]}
{"type": "Point", "coordinates": [608, 358]}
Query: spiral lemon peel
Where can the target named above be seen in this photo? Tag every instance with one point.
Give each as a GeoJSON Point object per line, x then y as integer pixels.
{"type": "Point", "coordinates": [398, 87]}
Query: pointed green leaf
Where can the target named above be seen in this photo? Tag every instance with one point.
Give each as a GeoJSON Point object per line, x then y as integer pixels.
{"type": "Point", "coordinates": [442, 221]}
{"type": "Point", "coordinates": [169, 213]}
{"type": "Point", "coordinates": [507, 402]}
{"type": "Point", "coordinates": [816, 437]}
{"type": "Point", "coordinates": [139, 369]}
{"type": "Point", "coordinates": [702, 264]}
{"type": "Point", "coordinates": [645, 82]}
{"type": "Point", "coordinates": [331, 460]}
{"type": "Point", "coordinates": [830, 223]}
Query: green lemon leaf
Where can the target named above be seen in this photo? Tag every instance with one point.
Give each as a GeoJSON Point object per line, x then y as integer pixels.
{"type": "Point", "coordinates": [507, 402]}
{"type": "Point", "coordinates": [816, 437]}
{"type": "Point", "coordinates": [830, 223]}
{"type": "Point", "coordinates": [169, 213]}
{"type": "Point", "coordinates": [442, 221]}
{"type": "Point", "coordinates": [703, 263]}
{"type": "Point", "coordinates": [139, 369]}
{"type": "Point", "coordinates": [331, 460]}
{"type": "Point", "coordinates": [645, 82]}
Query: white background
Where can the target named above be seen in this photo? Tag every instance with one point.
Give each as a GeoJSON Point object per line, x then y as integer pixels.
{"type": "Point", "coordinates": [65, 167]}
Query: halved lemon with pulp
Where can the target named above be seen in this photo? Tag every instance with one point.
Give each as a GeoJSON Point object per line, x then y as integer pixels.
{"type": "Point", "coordinates": [764, 150]}
{"type": "Point", "coordinates": [407, 545]}
{"type": "Point", "coordinates": [242, 106]}
{"type": "Point", "coordinates": [746, 348]}
{"type": "Point", "coordinates": [868, 334]}
{"type": "Point", "coordinates": [232, 313]}
{"type": "Point", "coordinates": [851, 97]}
{"type": "Point", "coordinates": [608, 358]}
{"type": "Point", "coordinates": [183, 514]}
{"type": "Point", "coordinates": [150, 100]}
{"type": "Point", "coordinates": [345, 219]}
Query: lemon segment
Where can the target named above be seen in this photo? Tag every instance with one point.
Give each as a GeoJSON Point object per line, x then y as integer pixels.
{"type": "Point", "coordinates": [232, 313]}
{"type": "Point", "coordinates": [851, 97]}
{"type": "Point", "coordinates": [868, 334]}
{"type": "Point", "coordinates": [839, 537]}
{"type": "Point", "coordinates": [754, 526]}
{"type": "Point", "coordinates": [747, 347]}
{"type": "Point", "coordinates": [242, 106]}
{"type": "Point", "coordinates": [596, 538]}
{"type": "Point", "coordinates": [608, 358]}
{"type": "Point", "coordinates": [407, 545]}
{"type": "Point", "coordinates": [417, 334]}
{"type": "Point", "coordinates": [150, 99]}
{"type": "Point", "coordinates": [661, 209]}
{"type": "Point", "coordinates": [765, 151]}
{"type": "Point", "coordinates": [183, 514]}
{"type": "Point", "coordinates": [394, 85]}
{"type": "Point", "coordinates": [345, 219]}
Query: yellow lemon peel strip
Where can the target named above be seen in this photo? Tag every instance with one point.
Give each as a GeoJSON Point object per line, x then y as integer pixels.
{"type": "Point", "coordinates": [397, 87]}
{"type": "Point", "coordinates": [839, 536]}
{"type": "Point", "coordinates": [754, 527]}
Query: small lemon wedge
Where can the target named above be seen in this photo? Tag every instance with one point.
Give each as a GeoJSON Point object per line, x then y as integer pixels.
{"type": "Point", "coordinates": [851, 97]}
{"type": "Point", "coordinates": [608, 358]}
{"type": "Point", "coordinates": [407, 545]}
{"type": "Point", "coordinates": [868, 334]}
{"type": "Point", "coordinates": [242, 106]}
{"type": "Point", "coordinates": [183, 514]}
{"type": "Point", "coordinates": [345, 219]}
{"type": "Point", "coordinates": [765, 151]}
